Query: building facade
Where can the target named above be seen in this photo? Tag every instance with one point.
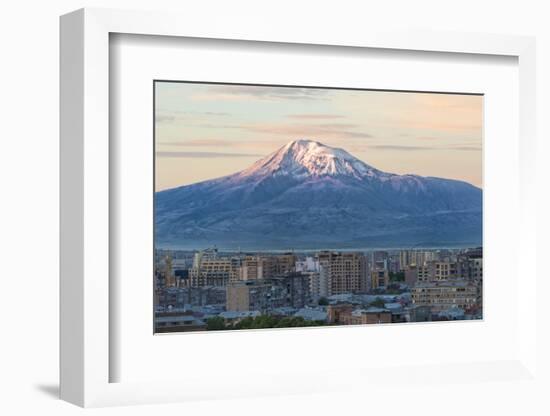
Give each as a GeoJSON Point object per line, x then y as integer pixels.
{"type": "Point", "coordinates": [291, 290]}
{"type": "Point", "coordinates": [318, 283]}
{"type": "Point", "coordinates": [346, 272]}
{"type": "Point", "coordinates": [379, 278]}
{"type": "Point", "coordinates": [444, 294]}
{"type": "Point", "coordinates": [213, 272]}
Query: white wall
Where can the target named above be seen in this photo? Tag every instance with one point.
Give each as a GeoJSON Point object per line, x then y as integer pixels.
{"type": "Point", "coordinates": [29, 181]}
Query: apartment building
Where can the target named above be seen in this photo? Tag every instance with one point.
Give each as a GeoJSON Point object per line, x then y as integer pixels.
{"type": "Point", "coordinates": [346, 272]}
{"type": "Point", "coordinates": [440, 295]}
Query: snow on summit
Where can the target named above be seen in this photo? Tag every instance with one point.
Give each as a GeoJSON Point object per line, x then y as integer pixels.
{"type": "Point", "coordinates": [310, 195]}
{"type": "Point", "coordinates": [301, 158]}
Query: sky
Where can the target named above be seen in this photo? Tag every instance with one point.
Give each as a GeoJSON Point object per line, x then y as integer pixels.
{"type": "Point", "coordinates": [205, 131]}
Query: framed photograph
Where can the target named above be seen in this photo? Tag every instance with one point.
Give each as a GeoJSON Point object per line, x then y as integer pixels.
{"type": "Point", "coordinates": [305, 233]}
{"type": "Point", "coordinates": [266, 212]}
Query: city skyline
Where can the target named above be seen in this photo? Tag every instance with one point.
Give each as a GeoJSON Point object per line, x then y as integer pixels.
{"type": "Point", "coordinates": [205, 131]}
{"type": "Point", "coordinates": [211, 290]}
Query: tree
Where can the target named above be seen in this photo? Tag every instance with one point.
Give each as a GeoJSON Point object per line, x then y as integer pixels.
{"type": "Point", "coordinates": [323, 301]}
{"type": "Point", "coordinates": [215, 324]}
{"type": "Point", "coordinates": [246, 323]}
{"type": "Point", "coordinates": [264, 321]}
{"type": "Point", "coordinates": [285, 322]}
{"type": "Point", "coordinates": [397, 277]}
{"type": "Point", "coordinates": [378, 303]}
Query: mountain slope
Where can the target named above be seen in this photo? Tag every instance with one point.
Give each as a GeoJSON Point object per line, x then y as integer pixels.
{"type": "Point", "coordinates": [308, 195]}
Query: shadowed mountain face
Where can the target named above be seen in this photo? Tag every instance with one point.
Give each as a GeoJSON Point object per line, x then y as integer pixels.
{"type": "Point", "coordinates": [309, 196]}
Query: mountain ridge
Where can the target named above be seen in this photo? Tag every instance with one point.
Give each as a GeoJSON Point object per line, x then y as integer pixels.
{"type": "Point", "coordinates": [309, 194]}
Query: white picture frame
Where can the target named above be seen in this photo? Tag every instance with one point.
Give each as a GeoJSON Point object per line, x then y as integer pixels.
{"type": "Point", "coordinates": [85, 200]}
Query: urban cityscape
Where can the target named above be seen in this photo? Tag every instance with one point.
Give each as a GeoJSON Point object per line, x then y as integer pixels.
{"type": "Point", "coordinates": [282, 207]}
{"type": "Point", "coordinates": [207, 290]}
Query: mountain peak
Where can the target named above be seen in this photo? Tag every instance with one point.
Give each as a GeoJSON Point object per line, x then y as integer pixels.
{"type": "Point", "coordinates": [304, 143]}
{"type": "Point", "coordinates": [305, 157]}
{"type": "Point", "coordinates": [313, 196]}
{"type": "Point", "coordinates": [310, 146]}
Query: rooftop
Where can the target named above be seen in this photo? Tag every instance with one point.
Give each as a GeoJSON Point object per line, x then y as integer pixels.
{"type": "Point", "coordinates": [443, 283]}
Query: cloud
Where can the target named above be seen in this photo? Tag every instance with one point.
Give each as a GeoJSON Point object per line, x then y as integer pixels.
{"type": "Point", "coordinates": [426, 148]}
{"type": "Point", "coordinates": [196, 143]}
{"type": "Point", "coordinates": [203, 155]}
{"type": "Point", "coordinates": [320, 131]}
{"type": "Point", "coordinates": [443, 125]}
{"type": "Point", "coordinates": [425, 137]}
{"type": "Point", "coordinates": [293, 130]}
{"type": "Point", "coordinates": [167, 116]}
{"type": "Point", "coordinates": [399, 147]}
{"type": "Point", "coordinates": [461, 102]}
{"type": "Point", "coordinates": [219, 144]}
{"type": "Point", "coordinates": [459, 114]}
{"type": "Point", "coordinates": [246, 92]}
{"type": "Point", "coordinates": [468, 148]}
{"type": "Point", "coordinates": [164, 118]}
{"type": "Point", "coordinates": [215, 113]}
{"type": "Point", "coordinates": [314, 116]}
{"type": "Point", "coordinates": [339, 125]}
{"type": "Point", "coordinates": [220, 126]}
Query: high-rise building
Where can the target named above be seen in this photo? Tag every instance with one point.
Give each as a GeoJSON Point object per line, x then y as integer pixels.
{"type": "Point", "coordinates": [346, 272]}
{"type": "Point", "coordinates": [213, 272]}
{"type": "Point", "coordinates": [410, 258]}
{"type": "Point", "coordinates": [422, 273]}
{"type": "Point", "coordinates": [318, 283]}
{"type": "Point", "coordinates": [379, 278]}
{"type": "Point", "coordinates": [310, 264]}
{"type": "Point", "coordinates": [425, 272]}
{"type": "Point", "coordinates": [277, 265]}
{"type": "Point", "coordinates": [445, 270]}
{"type": "Point", "coordinates": [411, 275]}
{"type": "Point", "coordinates": [291, 290]}
{"type": "Point", "coordinates": [169, 278]}
{"type": "Point", "coordinates": [379, 256]}
{"type": "Point", "coordinates": [404, 260]}
{"type": "Point", "coordinates": [253, 295]}
{"type": "Point", "coordinates": [475, 266]}
{"type": "Point", "coordinates": [208, 254]}
{"type": "Point", "coordinates": [251, 268]}
{"type": "Point", "coordinates": [296, 286]}
{"type": "Point", "coordinates": [470, 264]}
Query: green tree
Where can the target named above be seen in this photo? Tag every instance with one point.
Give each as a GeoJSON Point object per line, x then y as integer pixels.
{"type": "Point", "coordinates": [397, 277]}
{"type": "Point", "coordinates": [264, 321]}
{"type": "Point", "coordinates": [298, 321]}
{"type": "Point", "coordinates": [283, 322]}
{"type": "Point", "coordinates": [215, 324]}
{"type": "Point", "coordinates": [246, 323]}
{"type": "Point", "coordinates": [377, 303]}
{"type": "Point", "coordinates": [323, 301]}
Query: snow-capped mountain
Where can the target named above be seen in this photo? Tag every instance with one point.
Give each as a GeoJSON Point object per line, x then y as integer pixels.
{"type": "Point", "coordinates": [303, 158]}
{"type": "Point", "coordinates": [309, 195]}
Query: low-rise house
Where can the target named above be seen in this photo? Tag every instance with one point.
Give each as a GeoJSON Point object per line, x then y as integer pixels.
{"type": "Point", "coordinates": [340, 314]}
{"type": "Point", "coordinates": [312, 314]}
{"type": "Point", "coordinates": [371, 316]}
{"type": "Point", "coordinates": [454, 313]}
{"type": "Point", "coordinates": [236, 316]}
{"type": "Point", "coordinates": [178, 323]}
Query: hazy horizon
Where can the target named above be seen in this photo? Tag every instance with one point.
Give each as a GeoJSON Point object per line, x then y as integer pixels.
{"type": "Point", "coordinates": [205, 131]}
